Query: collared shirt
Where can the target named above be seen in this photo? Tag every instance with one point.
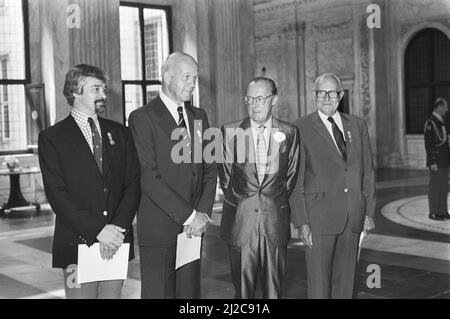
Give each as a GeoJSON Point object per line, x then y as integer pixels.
{"type": "Point", "coordinates": [266, 134]}
{"type": "Point", "coordinates": [82, 121]}
{"type": "Point", "coordinates": [172, 107]}
{"type": "Point", "coordinates": [337, 119]}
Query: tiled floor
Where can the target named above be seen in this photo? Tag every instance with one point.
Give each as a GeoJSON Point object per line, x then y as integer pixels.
{"type": "Point", "coordinates": [413, 262]}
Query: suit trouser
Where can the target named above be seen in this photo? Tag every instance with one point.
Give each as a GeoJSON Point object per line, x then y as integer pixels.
{"type": "Point", "coordinates": [110, 289]}
{"type": "Point", "coordinates": [331, 264]}
{"type": "Point", "coordinates": [258, 257]}
{"type": "Point", "coordinates": [160, 280]}
{"type": "Point", "coordinates": [437, 191]}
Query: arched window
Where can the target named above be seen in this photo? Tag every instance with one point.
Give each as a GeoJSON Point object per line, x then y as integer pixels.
{"type": "Point", "coordinates": [427, 76]}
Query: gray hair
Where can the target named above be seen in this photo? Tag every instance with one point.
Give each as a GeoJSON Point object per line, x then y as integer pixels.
{"type": "Point", "coordinates": [328, 76]}
{"type": "Point", "coordinates": [174, 59]}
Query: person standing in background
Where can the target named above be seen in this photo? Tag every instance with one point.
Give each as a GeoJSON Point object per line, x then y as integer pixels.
{"type": "Point", "coordinates": [438, 157]}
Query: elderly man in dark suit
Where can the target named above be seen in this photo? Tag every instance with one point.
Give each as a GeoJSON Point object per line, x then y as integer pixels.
{"type": "Point", "coordinates": [91, 178]}
{"type": "Point", "coordinates": [177, 190]}
{"type": "Point", "coordinates": [334, 198]}
{"type": "Point", "coordinates": [257, 176]}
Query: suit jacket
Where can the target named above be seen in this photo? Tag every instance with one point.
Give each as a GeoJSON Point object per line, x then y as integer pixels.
{"type": "Point", "coordinates": [247, 203]}
{"type": "Point", "coordinates": [84, 199]}
{"type": "Point", "coordinates": [436, 143]}
{"type": "Point", "coordinates": [170, 191]}
{"type": "Point", "coordinates": [328, 188]}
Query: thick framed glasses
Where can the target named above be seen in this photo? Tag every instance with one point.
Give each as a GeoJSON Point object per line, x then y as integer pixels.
{"type": "Point", "coordinates": [259, 99]}
{"type": "Point", "coordinates": [331, 94]}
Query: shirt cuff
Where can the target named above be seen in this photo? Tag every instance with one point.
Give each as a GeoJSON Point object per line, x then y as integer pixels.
{"type": "Point", "coordinates": [190, 219]}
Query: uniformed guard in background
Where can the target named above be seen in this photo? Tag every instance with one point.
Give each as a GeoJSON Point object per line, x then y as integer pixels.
{"type": "Point", "coordinates": [438, 157]}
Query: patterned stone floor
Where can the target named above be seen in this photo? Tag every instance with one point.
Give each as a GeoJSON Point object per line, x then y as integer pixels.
{"type": "Point", "coordinates": [410, 252]}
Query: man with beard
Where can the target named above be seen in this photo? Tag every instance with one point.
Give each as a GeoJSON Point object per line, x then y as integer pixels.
{"type": "Point", "coordinates": [94, 197]}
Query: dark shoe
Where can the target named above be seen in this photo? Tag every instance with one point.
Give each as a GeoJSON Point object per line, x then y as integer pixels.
{"type": "Point", "coordinates": [435, 217]}
{"type": "Point", "coordinates": [445, 216]}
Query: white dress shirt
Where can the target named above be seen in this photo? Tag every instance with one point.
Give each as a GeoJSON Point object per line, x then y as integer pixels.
{"type": "Point", "coordinates": [172, 107]}
{"type": "Point", "coordinates": [337, 119]}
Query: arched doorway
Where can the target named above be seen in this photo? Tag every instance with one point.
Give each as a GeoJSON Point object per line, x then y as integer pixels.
{"type": "Point", "coordinates": [427, 76]}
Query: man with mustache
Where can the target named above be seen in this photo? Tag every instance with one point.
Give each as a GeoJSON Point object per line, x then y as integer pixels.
{"type": "Point", "coordinates": [90, 171]}
{"type": "Point", "coordinates": [177, 195]}
{"type": "Point", "coordinates": [334, 198]}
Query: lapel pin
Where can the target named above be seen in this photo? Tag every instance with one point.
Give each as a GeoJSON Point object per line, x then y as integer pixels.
{"type": "Point", "coordinates": [279, 136]}
{"type": "Point", "coordinates": [111, 141]}
{"type": "Point", "coordinates": [349, 134]}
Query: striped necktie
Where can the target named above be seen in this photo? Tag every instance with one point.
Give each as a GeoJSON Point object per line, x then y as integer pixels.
{"type": "Point", "coordinates": [97, 143]}
{"type": "Point", "coordinates": [261, 154]}
{"type": "Point", "coordinates": [183, 126]}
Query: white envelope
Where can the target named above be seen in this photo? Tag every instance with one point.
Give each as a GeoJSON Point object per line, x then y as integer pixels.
{"type": "Point", "coordinates": [91, 266]}
{"type": "Point", "coordinates": [188, 249]}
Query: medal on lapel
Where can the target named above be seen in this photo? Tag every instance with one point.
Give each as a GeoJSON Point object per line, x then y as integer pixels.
{"type": "Point", "coordinates": [111, 141]}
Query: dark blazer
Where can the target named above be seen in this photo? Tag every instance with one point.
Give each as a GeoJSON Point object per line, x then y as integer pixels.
{"type": "Point", "coordinates": [328, 188]}
{"type": "Point", "coordinates": [170, 191]}
{"type": "Point", "coordinates": [83, 199]}
{"type": "Point", "coordinates": [436, 144]}
{"type": "Point", "coordinates": [246, 201]}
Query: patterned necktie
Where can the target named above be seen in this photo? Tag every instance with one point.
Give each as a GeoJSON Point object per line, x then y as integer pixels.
{"type": "Point", "coordinates": [184, 131]}
{"type": "Point", "coordinates": [261, 154]}
{"type": "Point", "coordinates": [97, 142]}
{"type": "Point", "coordinates": [339, 138]}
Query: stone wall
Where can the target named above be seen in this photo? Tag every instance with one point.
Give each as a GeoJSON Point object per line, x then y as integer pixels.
{"type": "Point", "coordinates": [296, 40]}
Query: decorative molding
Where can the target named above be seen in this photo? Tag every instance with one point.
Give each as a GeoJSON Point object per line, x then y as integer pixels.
{"type": "Point", "coordinates": [326, 28]}
{"type": "Point", "coordinates": [406, 27]}
{"type": "Point", "coordinates": [335, 56]}
{"type": "Point", "coordinates": [365, 70]}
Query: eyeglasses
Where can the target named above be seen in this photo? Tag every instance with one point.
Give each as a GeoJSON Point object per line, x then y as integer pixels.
{"type": "Point", "coordinates": [331, 94]}
{"type": "Point", "coordinates": [259, 99]}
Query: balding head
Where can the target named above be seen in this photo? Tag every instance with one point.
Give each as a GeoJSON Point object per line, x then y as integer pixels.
{"type": "Point", "coordinates": [175, 59]}
{"type": "Point", "coordinates": [328, 77]}
{"type": "Point", "coordinates": [179, 76]}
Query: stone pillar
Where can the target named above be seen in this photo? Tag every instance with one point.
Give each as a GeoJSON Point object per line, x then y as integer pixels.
{"type": "Point", "coordinates": [55, 56]}
{"type": "Point", "coordinates": [232, 56]}
{"type": "Point", "coordinates": [96, 43]}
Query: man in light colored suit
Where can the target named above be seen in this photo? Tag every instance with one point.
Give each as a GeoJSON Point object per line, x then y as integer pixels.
{"type": "Point", "coordinates": [334, 198]}
{"type": "Point", "coordinates": [257, 177]}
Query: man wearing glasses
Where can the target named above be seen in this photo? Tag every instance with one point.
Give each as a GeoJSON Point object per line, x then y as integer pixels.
{"type": "Point", "coordinates": [257, 176]}
{"type": "Point", "coordinates": [334, 197]}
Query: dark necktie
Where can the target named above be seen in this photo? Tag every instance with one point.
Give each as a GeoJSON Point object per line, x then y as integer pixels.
{"type": "Point", "coordinates": [184, 131]}
{"type": "Point", "coordinates": [97, 142]}
{"type": "Point", "coordinates": [339, 138]}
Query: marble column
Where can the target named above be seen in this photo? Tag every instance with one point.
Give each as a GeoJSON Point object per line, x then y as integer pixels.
{"type": "Point", "coordinates": [55, 56]}
{"type": "Point", "coordinates": [232, 56]}
{"type": "Point", "coordinates": [96, 42]}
